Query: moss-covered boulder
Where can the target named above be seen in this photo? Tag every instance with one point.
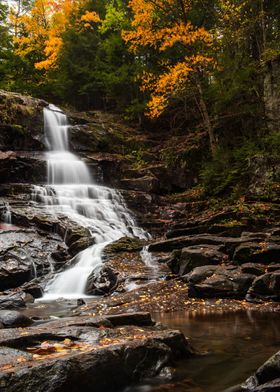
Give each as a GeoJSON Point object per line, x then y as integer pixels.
{"type": "Point", "coordinates": [124, 244]}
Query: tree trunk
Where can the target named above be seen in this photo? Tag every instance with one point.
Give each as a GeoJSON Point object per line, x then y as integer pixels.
{"type": "Point", "coordinates": [206, 120]}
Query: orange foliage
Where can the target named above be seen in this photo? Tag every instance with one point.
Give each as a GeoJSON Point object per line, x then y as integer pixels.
{"type": "Point", "coordinates": [164, 25]}
{"type": "Point", "coordinates": [41, 30]}
{"type": "Point", "coordinates": [89, 17]}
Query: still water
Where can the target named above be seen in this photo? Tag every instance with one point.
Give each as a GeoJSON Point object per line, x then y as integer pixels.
{"type": "Point", "coordinates": [234, 345]}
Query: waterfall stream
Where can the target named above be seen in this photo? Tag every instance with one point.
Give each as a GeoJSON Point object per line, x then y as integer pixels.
{"type": "Point", "coordinates": [7, 215]}
{"type": "Point", "coordinates": [72, 192]}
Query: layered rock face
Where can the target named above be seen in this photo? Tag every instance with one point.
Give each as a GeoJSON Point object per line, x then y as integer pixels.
{"type": "Point", "coordinates": [226, 254]}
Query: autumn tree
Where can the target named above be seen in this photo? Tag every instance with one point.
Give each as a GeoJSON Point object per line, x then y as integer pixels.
{"type": "Point", "coordinates": [39, 31]}
{"type": "Point", "coordinates": [165, 27]}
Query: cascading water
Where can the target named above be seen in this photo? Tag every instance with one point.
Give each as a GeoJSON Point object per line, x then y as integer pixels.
{"type": "Point", "coordinates": [7, 215]}
{"type": "Point", "coordinates": [71, 191]}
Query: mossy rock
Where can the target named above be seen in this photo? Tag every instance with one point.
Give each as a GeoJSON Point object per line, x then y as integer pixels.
{"type": "Point", "coordinates": [80, 245]}
{"type": "Point", "coordinates": [124, 244]}
{"type": "Point", "coordinates": [75, 233]}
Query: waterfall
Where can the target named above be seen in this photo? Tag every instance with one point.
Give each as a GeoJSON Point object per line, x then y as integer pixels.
{"type": "Point", "coordinates": [7, 215]}
{"type": "Point", "coordinates": [72, 192]}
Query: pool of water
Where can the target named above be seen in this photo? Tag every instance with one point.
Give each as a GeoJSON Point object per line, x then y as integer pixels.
{"type": "Point", "coordinates": [234, 345]}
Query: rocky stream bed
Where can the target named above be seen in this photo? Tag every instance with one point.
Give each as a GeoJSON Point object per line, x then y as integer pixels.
{"type": "Point", "coordinates": [199, 259]}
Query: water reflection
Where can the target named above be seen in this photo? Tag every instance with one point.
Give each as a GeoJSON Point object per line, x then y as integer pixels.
{"type": "Point", "coordinates": [234, 346]}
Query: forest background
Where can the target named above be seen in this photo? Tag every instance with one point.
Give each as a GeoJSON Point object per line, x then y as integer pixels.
{"type": "Point", "coordinates": [207, 69]}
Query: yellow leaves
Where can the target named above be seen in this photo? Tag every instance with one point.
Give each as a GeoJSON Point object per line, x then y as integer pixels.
{"type": "Point", "coordinates": [49, 349]}
{"type": "Point", "coordinates": [90, 17]}
{"type": "Point", "coordinates": [41, 30]}
{"type": "Point", "coordinates": [156, 25]}
{"type": "Point", "coordinates": [169, 84]}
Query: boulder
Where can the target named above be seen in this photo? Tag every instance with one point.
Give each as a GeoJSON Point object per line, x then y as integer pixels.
{"type": "Point", "coordinates": [33, 288]}
{"type": "Point", "coordinates": [185, 260]}
{"type": "Point", "coordinates": [14, 319]}
{"type": "Point", "coordinates": [264, 253]}
{"type": "Point", "coordinates": [81, 244]}
{"type": "Point", "coordinates": [124, 244]}
{"type": "Point", "coordinates": [75, 233]}
{"type": "Point", "coordinates": [266, 287]}
{"type": "Point", "coordinates": [12, 301]}
{"type": "Point", "coordinates": [101, 281]}
{"type": "Point", "coordinates": [266, 378]}
{"type": "Point", "coordinates": [253, 268]}
{"type": "Point", "coordinates": [15, 270]}
{"type": "Point", "coordinates": [60, 255]}
{"type": "Point", "coordinates": [225, 282]}
{"type": "Point", "coordinates": [199, 274]}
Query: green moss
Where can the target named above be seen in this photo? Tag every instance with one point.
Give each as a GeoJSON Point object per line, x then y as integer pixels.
{"type": "Point", "coordinates": [125, 244]}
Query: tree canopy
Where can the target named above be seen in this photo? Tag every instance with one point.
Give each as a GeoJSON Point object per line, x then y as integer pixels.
{"type": "Point", "coordinates": [190, 64]}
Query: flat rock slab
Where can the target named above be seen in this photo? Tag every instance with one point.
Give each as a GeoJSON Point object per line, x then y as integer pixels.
{"type": "Point", "coordinates": [79, 353]}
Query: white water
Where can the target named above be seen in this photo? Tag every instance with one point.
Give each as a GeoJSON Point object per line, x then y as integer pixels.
{"type": "Point", "coordinates": [71, 191]}
{"type": "Point", "coordinates": [7, 215]}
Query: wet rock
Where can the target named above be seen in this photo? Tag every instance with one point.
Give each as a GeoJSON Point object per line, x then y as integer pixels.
{"type": "Point", "coordinates": [60, 255]}
{"type": "Point", "coordinates": [253, 268]}
{"type": "Point", "coordinates": [11, 357]}
{"type": "Point", "coordinates": [157, 357]}
{"type": "Point", "coordinates": [266, 378]}
{"type": "Point", "coordinates": [21, 122]}
{"type": "Point", "coordinates": [264, 253]}
{"type": "Point", "coordinates": [33, 288]}
{"type": "Point", "coordinates": [101, 281]}
{"type": "Point", "coordinates": [128, 354]}
{"type": "Point", "coordinates": [23, 167]}
{"type": "Point", "coordinates": [136, 318]}
{"type": "Point", "coordinates": [12, 301]}
{"type": "Point", "coordinates": [75, 233]}
{"type": "Point", "coordinates": [225, 282]}
{"type": "Point", "coordinates": [124, 244]}
{"type": "Point", "coordinates": [266, 287]}
{"type": "Point", "coordinates": [191, 257]}
{"type": "Point", "coordinates": [81, 244]}
{"type": "Point", "coordinates": [199, 274]}
{"type": "Point", "coordinates": [88, 137]}
{"type": "Point", "coordinates": [16, 269]}
{"type": "Point", "coordinates": [14, 319]}
{"type": "Point", "coordinates": [25, 254]}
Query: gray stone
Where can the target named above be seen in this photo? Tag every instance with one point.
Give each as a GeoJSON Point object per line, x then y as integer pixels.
{"type": "Point", "coordinates": [14, 319]}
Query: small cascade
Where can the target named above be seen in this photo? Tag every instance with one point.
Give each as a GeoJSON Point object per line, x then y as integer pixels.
{"type": "Point", "coordinates": [148, 258]}
{"type": "Point", "coordinates": [151, 262]}
{"type": "Point", "coordinates": [7, 214]}
{"type": "Point", "coordinates": [72, 192]}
